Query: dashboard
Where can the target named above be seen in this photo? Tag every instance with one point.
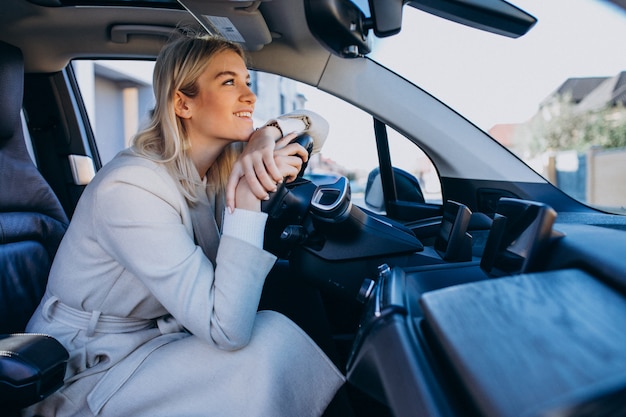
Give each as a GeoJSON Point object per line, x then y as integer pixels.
{"type": "Point", "coordinates": [511, 314]}
{"type": "Point", "coordinates": [534, 327]}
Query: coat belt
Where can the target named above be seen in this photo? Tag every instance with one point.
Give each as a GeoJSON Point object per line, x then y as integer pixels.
{"type": "Point", "coordinates": [94, 321]}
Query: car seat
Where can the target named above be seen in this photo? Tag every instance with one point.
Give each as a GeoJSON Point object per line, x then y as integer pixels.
{"type": "Point", "coordinates": [32, 223]}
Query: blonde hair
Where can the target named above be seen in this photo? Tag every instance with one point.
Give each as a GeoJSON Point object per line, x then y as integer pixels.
{"type": "Point", "coordinates": [179, 65]}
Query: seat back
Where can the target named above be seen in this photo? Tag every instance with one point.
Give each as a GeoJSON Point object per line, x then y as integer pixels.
{"type": "Point", "coordinates": [32, 221]}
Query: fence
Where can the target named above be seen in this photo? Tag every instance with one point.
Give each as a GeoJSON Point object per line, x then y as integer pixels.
{"type": "Point", "coordinates": [597, 177]}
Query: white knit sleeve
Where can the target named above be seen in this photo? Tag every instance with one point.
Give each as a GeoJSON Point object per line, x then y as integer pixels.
{"type": "Point", "coordinates": [246, 225]}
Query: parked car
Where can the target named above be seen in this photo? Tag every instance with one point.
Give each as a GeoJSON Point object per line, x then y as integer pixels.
{"type": "Point", "coordinates": [463, 283]}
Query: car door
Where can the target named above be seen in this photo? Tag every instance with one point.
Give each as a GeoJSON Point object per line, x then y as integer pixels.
{"type": "Point", "coordinates": [63, 144]}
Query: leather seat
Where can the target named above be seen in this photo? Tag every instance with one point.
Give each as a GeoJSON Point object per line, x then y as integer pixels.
{"type": "Point", "coordinates": [32, 223]}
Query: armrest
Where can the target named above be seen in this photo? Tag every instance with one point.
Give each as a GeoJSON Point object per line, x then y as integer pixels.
{"type": "Point", "coordinates": [32, 366]}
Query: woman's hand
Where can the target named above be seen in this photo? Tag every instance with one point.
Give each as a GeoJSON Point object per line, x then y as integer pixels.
{"type": "Point", "coordinates": [290, 157]}
{"type": "Point", "coordinates": [245, 199]}
{"type": "Point", "coordinates": [256, 163]}
{"type": "Point", "coordinates": [263, 175]}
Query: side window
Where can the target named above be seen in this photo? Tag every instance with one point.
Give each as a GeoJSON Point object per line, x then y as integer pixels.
{"type": "Point", "coordinates": [408, 157]}
{"type": "Point", "coordinates": [118, 97]}
{"type": "Point", "coordinates": [350, 150]}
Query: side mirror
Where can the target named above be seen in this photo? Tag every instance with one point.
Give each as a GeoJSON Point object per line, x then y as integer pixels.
{"type": "Point", "coordinates": [407, 189]}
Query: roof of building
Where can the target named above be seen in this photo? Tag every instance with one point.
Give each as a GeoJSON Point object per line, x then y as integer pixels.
{"type": "Point", "coordinates": [504, 133]}
{"type": "Point", "coordinates": [611, 91]}
{"type": "Point", "coordinates": [619, 92]}
{"type": "Point", "coordinates": [579, 88]}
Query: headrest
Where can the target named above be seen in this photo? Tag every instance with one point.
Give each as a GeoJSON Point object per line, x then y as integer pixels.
{"type": "Point", "coordinates": [11, 89]}
{"type": "Point", "coordinates": [22, 187]}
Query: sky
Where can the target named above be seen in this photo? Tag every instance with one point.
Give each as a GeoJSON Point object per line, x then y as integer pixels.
{"type": "Point", "coordinates": [504, 79]}
{"type": "Point", "coordinates": [489, 79]}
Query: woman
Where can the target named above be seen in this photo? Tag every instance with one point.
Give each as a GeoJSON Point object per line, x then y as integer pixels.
{"type": "Point", "coordinates": [157, 308]}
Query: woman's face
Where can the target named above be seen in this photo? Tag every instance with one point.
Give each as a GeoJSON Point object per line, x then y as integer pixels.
{"type": "Point", "coordinates": [223, 108]}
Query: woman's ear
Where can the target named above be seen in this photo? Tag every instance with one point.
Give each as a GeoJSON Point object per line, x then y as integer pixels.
{"type": "Point", "coordinates": [181, 106]}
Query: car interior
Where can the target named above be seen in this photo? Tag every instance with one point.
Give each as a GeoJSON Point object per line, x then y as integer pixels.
{"type": "Point", "coordinates": [32, 227]}
{"type": "Point", "coordinates": [507, 299]}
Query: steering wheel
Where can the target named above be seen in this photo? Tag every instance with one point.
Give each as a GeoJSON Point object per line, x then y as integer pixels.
{"type": "Point", "coordinates": [300, 210]}
{"type": "Point", "coordinates": [272, 205]}
{"type": "Point", "coordinates": [287, 207]}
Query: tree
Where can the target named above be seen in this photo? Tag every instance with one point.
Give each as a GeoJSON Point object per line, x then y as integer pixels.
{"type": "Point", "coordinates": [560, 125]}
{"type": "Point", "coordinates": [607, 127]}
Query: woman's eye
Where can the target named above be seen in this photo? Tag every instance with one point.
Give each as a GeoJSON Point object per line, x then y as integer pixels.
{"type": "Point", "coordinates": [229, 82]}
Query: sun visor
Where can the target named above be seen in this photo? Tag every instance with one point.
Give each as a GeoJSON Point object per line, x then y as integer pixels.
{"type": "Point", "coordinates": [238, 21]}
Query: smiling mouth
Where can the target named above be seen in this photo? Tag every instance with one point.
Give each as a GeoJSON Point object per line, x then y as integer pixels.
{"type": "Point", "coordinates": [246, 114]}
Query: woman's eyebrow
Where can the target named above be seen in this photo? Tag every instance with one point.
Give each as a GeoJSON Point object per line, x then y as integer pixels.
{"type": "Point", "coordinates": [228, 73]}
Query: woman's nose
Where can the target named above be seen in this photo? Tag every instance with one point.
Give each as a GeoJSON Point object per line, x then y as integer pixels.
{"type": "Point", "coordinates": [248, 95]}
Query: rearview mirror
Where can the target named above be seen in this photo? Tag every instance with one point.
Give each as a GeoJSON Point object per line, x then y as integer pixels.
{"type": "Point", "coordinates": [495, 16]}
{"type": "Point", "coordinates": [342, 27]}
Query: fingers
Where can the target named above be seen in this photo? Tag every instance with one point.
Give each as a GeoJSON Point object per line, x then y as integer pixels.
{"type": "Point", "coordinates": [284, 141]}
{"type": "Point", "coordinates": [293, 149]}
{"type": "Point", "coordinates": [231, 186]}
{"type": "Point", "coordinates": [261, 163]}
{"type": "Point", "coordinates": [236, 183]}
{"type": "Point", "coordinates": [290, 166]}
{"type": "Point", "coordinates": [266, 170]}
{"type": "Point", "coordinates": [288, 148]}
{"type": "Point", "coordinates": [260, 174]}
{"type": "Point", "coordinates": [258, 155]}
{"type": "Point", "coordinates": [264, 164]}
{"type": "Point", "coordinates": [253, 171]}
{"type": "Point", "coordinates": [260, 182]}
{"type": "Point", "coordinates": [245, 199]}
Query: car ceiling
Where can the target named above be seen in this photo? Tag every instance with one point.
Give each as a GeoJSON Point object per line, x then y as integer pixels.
{"type": "Point", "coordinates": [87, 33]}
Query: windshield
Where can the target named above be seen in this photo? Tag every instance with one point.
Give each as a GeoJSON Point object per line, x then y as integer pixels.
{"type": "Point", "coordinates": [554, 96]}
